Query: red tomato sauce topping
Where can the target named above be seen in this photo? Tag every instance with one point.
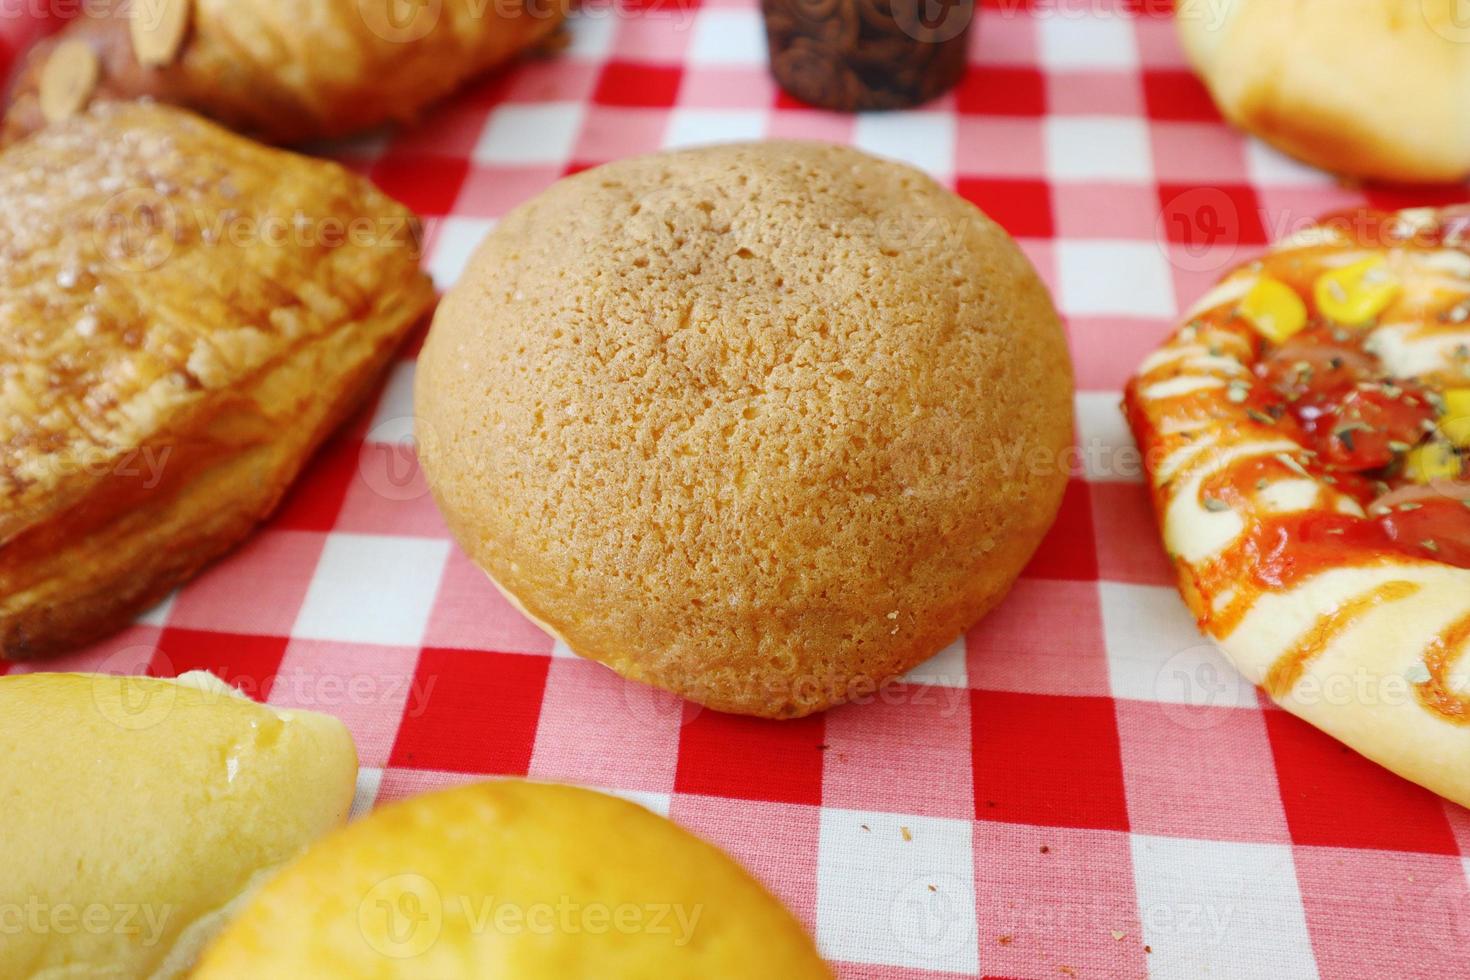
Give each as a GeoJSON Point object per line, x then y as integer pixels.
{"type": "Point", "coordinates": [1326, 391]}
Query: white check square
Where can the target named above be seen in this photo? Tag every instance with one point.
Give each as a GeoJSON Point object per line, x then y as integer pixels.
{"type": "Point", "coordinates": [1109, 454]}
{"type": "Point", "coordinates": [1114, 278]}
{"type": "Point", "coordinates": [1157, 653]}
{"type": "Point", "coordinates": [372, 588]}
{"type": "Point", "coordinates": [701, 127]}
{"type": "Point", "coordinates": [1099, 41]}
{"type": "Point", "coordinates": [896, 890]}
{"type": "Point", "coordinates": [393, 420]}
{"type": "Point", "coordinates": [456, 242]}
{"type": "Point", "coordinates": [1215, 909]}
{"type": "Point", "coordinates": [728, 37]}
{"type": "Point", "coordinates": [530, 134]}
{"type": "Point", "coordinates": [1092, 148]}
{"type": "Point", "coordinates": [923, 139]}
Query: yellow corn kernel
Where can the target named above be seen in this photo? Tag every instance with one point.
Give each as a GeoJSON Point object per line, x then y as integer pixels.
{"type": "Point", "coordinates": [1432, 461]}
{"type": "Point", "coordinates": [1455, 423]}
{"type": "Point", "coordinates": [1357, 293]}
{"type": "Point", "coordinates": [1274, 309]}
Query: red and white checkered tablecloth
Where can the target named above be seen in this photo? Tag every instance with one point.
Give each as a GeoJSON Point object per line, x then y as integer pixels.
{"type": "Point", "coordinates": [1079, 786]}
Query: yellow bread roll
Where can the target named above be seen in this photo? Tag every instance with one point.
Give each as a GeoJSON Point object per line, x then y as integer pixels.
{"type": "Point", "coordinates": [1364, 88]}
{"type": "Point", "coordinates": [140, 812]}
{"type": "Point", "coordinates": [514, 880]}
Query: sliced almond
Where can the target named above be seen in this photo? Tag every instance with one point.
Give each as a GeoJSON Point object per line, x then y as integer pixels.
{"type": "Point", "coordinates": [158, 28]}
{"type": "Point", "coordinates": [68, 80]}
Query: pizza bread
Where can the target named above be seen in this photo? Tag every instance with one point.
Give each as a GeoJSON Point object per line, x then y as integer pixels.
{"type": "Point", "coordinates": [520, 880]}
{"type": "Point", "coordinates": [765, 425]}
{"type": "Point", "coordinates": [1364, 88]}
{"type": "Point", "coordinates": [1305, 436]}
{"type": "Point", "coordinates": [141, 813]}
{"type": "Point", "coordinates": [187, 315]}
{"type": "Point", "coordinates": [280, 70]}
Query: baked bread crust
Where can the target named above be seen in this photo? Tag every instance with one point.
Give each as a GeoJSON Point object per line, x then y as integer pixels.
{"type": "Point", "coordinates": [286, 71]}
{"type": "Point", "coordinates": [399, 893]}
{"type": "Point", "coordinates": [1365, 88]}
{"type": "Point", "coordinates": [765, 425]}
{"type": "Point", "coordinates": [1362, 637]}
{"type": "Point", "coordinates": [186, 316]}
{"type": "Point", "coordinates": [159, 806]}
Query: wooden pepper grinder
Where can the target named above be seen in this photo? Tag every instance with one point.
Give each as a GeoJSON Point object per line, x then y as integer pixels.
{"type": "Point", "coordinates": [852, 55]}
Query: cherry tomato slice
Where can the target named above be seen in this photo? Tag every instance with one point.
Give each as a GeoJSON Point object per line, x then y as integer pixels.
{"type": "Point", "coordinates": [1438, 529]}
{"type": "Point", "coordinates": [1314, 360]}
{"type": "Point", "coordinates": [1364, 427]}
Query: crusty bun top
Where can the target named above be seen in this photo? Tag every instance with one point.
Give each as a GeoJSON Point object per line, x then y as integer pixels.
{"type": "Point", "coordinates": [514, 880]}
{"type": "Point", "coordinates": [763, 424]}
{"type": "Point", "coordinates": [138, 812]}
{"type": "Point", "coordinates": [1365, 88]}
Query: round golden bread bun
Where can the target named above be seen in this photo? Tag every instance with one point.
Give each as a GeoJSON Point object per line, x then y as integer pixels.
{"type": "Point", "coordinates": [139, 813]}
{"type": "Point", "coordinates": [1376, 89]}
{"type": "Point", "coordinates": [762, 424]}
{"type": "Point", "coordinates": [513, 879]}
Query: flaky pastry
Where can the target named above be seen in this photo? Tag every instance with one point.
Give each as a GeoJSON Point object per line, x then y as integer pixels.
{"type": "Point", "coordinates": [184, 316]}
{"type": "Point", "coordinates": [281, 70]}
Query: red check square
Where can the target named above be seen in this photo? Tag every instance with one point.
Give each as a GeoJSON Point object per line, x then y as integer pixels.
{"type": "Point", "coordinates": [751, 758]}
{"type": "Point", "coordinates": [1398, 198]}
{"type": "Point", "coordinates": [1047, 760]}
{"type": "Point", "coordinates": [1336, 798]}
{"type": "Point", "coordinates": [1021, 207]}
{"type": "Point", "coordinates": [1069, 551]}
{"type": "Point", "coordinates": [1208, 218]}
{"type": "Point", "coordinates": [638, 86]}
{"type": "Point", "coordinates": [313, 502]}
{"type": "Point", "coordinates": [1178, 96]}
{"type": "Point", "coordinates": [247, 663]}
{"type": "Point", "coordinates": [481, 717]}
{"type": "Point", "coordinates": [427, 184]}
{"type": "Point", "coordinates": [1002, 92]}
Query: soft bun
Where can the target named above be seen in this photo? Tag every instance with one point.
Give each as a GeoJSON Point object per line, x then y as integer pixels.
{"type": "Point", "coordinates": [516, 880]}
{"type": "Point", "coordinates": [1376, 89]}
{"type": "Point", "coordinates": [765, 425]}
{"type": "Point", "coordinates": [139, 812]}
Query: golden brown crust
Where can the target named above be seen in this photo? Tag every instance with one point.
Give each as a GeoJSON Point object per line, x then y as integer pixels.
{"type": "Point", "coordinates": [291, 70]}
{"type": "Point", "coordinates": [187, 315]}
{"type": "Point", "coordinates": [765, 425]}
{"type": "Point", "coordinates": [1364, 88]}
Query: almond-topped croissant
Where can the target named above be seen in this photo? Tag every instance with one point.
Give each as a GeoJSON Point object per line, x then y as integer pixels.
{"type": "Point", "coordinates": [280, 70]}
{"type": "Point", "coordinates": [184, 316]}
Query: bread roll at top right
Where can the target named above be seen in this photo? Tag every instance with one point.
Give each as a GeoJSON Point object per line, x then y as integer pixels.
{"type": "Point", "coordinates": [1373, 89]}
